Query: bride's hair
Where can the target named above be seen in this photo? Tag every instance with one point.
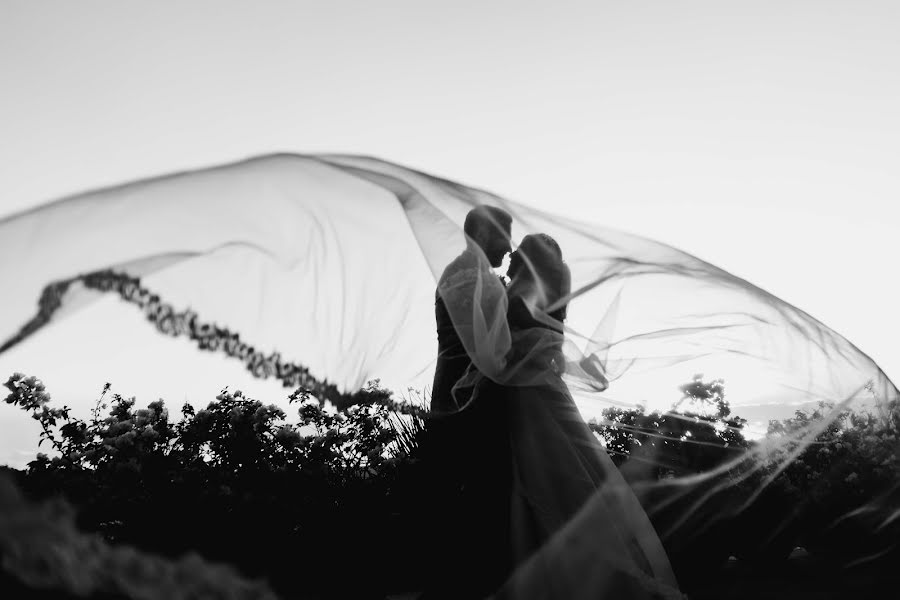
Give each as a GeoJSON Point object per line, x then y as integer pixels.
{"type": "Point", "coordinates": [544, 266]}
{"type": "Point", "coordinates": [541, 276]}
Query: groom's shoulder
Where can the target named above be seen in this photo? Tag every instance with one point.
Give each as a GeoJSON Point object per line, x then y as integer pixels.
{"type": "Point", "coordinates": [459, 264]}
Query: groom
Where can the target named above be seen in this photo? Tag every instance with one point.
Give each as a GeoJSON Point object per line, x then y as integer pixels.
{"type": "Point", "coordinates": [487, 228]}
{"type": "Point", "coordinates": [470, 460]}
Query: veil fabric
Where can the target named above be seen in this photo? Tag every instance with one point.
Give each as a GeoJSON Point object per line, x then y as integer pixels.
{"type": "Point", "coordinates": [332, 261]}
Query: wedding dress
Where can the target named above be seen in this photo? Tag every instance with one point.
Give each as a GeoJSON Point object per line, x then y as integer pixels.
{"type": "Point", "coordinates": [559, 469]}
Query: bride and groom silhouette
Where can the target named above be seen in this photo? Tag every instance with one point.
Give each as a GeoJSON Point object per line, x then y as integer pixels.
{"type": "Point", "coordinates": [523, 490]}
{"type": "Point", "coordinates": [537, 277]}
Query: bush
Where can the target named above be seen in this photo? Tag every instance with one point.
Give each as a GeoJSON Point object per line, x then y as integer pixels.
{"type": "Point", "coordinates": [844, 482]}
{"type": "Point", "coordinates": [332, 506]}
{"type": "Point", "coordinates": [826, 482]}
{"type": "Point", "coordinates": [235, 483]}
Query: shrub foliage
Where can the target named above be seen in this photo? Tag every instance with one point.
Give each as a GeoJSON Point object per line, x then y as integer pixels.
{"type": "Point", "coordinates": [300, 503]}
{"type": "Point", "coordinates": [235, 482]}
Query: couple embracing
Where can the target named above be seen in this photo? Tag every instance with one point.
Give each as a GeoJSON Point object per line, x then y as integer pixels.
{"type": "Point", "coordinates": [532, 506]}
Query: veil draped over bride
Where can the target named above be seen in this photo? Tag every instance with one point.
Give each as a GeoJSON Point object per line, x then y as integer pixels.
{"type": "Point", "coordinates": [322, 268]}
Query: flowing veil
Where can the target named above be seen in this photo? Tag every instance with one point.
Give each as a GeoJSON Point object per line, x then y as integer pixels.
{"type": "Point", "coordinates": [338, 258]}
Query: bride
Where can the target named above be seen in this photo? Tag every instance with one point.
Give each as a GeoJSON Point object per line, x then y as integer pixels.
{"type": "Point", "coordinates": [574, 528]}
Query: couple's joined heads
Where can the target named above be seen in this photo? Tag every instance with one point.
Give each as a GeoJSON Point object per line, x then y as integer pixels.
{"type": "Point", "coordinates": [490, 228]}
{"type": "Point", "coordinates": [538, 258]}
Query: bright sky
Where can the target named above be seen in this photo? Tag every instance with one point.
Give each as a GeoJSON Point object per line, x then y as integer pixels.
{"type": "Point", "coordinates": [761, 136]}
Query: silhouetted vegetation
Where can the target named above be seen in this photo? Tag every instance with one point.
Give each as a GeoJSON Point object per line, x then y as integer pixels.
{"type": "Point", "coordinates": [297, 504]}
{"type": "Point", "coordinates": [825, 480]}
{"type": "Point", "coordinates": [331, 504]}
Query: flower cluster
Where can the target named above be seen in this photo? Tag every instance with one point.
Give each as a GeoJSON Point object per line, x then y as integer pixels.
{"type": "Point", "coordinates": [29, 393]}
{"type": "Point", "coordinates": [368, 430]}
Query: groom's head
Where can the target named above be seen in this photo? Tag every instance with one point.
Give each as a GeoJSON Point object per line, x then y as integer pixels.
{"type": "Point", "coordinates": [490, 227]}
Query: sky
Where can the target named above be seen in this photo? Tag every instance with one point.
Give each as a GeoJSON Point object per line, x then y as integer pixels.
{"type": "Point", "coordinates": [760, 136]}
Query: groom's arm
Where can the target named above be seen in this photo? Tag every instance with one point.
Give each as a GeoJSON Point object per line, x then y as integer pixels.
{"type": "Point", "coordinates": [476, 301]}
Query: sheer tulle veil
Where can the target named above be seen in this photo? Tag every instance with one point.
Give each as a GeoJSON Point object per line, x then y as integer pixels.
{"type": "Point", "coordinates": [339, 257]}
